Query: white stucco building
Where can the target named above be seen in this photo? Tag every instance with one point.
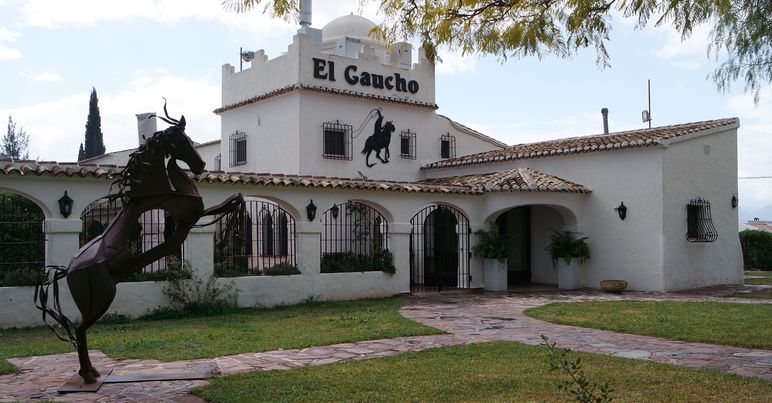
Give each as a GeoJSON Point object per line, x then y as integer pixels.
{"type": "Point", "coordinates": [294, 129]}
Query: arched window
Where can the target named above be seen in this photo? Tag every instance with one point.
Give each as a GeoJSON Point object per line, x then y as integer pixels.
{"type": "Point", "coordinates": [22, 241]}
{"type": "Point", "coordinates": [354, 238]}
{"type": "Point", "coordinates": [283, 249]}
{"type": "Point", "coordinates": [266, 222]}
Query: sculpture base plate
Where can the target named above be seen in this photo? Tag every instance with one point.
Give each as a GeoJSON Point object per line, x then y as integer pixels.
{"type": "Point", "coordinates": [75, 383]}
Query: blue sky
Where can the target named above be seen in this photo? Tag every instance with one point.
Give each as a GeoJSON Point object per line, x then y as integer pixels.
{"type": "Point", "coordinates": [134, 52]}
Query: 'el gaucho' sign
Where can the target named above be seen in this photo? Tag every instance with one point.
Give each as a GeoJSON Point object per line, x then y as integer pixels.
{"type": "Point", "coordinates": [325, 70]}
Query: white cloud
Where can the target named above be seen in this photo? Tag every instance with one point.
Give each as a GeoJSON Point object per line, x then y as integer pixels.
{"type": "Point", "coordinates": [455, 63]}
{"type": "Point", "coordinates": [42, 76]}
{"type": "Point", "coordinates": [56, 128]}
{"type": "Point", "coordinates": [7, 52]}
{"type": "Point", "coordinates": [688, 54]}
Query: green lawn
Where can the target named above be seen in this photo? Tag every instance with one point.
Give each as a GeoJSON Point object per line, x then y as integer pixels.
{"type": "Point", "coordinates": [760, 294]}
{"type": "Point", "coordinates": [486, 372]}
{"type": "Point", "coordinates": [766, 278]}
{"type": "Point", "coordinates": [247, 330]}
{"type": "Point", "coordinates": [744, 325]}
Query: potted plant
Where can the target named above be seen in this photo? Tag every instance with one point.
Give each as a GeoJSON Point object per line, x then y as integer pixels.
{"type": "Point", "coordinates": [493, 246]}
{"type": "Point", "coordinates": [568, 252]}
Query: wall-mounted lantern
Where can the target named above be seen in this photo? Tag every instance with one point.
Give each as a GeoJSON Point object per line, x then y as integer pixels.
{"type": "Point", "coordinates": [65, 205]}
{"type": "Point", "coordinates": [735, 201]}
{"type": "Point", "coordinates": [621, 210]}
{"type": "Point", "coordinates": [311, 210]}
{"type": "Point", "coordinates": [335, 210]}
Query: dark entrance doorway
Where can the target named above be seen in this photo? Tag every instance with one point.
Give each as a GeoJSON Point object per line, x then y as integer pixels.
{"type": "Point", "coordinates": [516, 223]}
{"type": "Point", "coordinates": [439, 249]}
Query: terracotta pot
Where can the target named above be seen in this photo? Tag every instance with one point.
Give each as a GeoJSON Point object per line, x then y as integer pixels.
{"type": "Point", "coordinates": [615, 286]}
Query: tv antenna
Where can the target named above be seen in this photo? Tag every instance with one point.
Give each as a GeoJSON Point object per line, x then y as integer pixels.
{"type": "Point", "coordinates": [646, 114]}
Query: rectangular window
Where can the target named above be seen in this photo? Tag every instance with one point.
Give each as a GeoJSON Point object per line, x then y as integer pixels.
{"type": "Point", "coordinates": [407, 145]}
{"type": "Point", "coordinates": [238, 148]}
{"type": "Point", "coordinates": [337, 141]}
{"type": "Point", "coordinates": [447, 146]}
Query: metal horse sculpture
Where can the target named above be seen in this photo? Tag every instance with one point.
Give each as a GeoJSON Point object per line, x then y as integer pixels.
{"type": "Point", "coordinates": [148, 182]}
{"type": "Point", "coordinates": [380, 139]}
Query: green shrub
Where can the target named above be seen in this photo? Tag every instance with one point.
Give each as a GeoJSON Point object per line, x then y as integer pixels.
{"type": "Point", "coordinates": [19, 278]}
{"type": "Point", "coordinates": [175, 269]}
{"type": "Point", "coordinates": [492, 244]}
{"type": "Point", "coordinates": [281, 269]}
{"type": "Point", "coordinates": [564, 245]}
{"type": "Point", "coordinates": [348, 262]}
{"type": "Point", "coordinates": [757, 249]}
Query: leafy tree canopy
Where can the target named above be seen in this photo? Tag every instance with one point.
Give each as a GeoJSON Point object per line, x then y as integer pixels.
{"type": "Point", "coordinates": [741, 38]}
{"type": "Point", "coordinates": [15, 143]}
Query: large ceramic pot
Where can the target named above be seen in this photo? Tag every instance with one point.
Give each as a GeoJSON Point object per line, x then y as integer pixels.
{"type": "Point", "coordinates": [495, 275]}
{"type": "Point", "coordinates": [569, 274]}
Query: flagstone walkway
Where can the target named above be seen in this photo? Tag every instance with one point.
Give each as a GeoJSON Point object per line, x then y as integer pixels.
{"type": "Point", "coordinates": [468, 317]}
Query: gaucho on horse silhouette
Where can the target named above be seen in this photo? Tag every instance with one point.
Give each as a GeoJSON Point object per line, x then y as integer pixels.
{"type": "Point", "coordinates": [151, 180]}
{"type": "Point", "coordinates": [380, 139]}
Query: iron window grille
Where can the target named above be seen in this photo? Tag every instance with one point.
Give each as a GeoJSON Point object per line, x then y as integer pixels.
{"type": "Point", "coordinates": [238, 148]}
{"type": "Point", "coordinates": [699, 224]}
{"type": "Point", "coordinates": [22, 241]}
{"type": "Point", "coordinates": [355, 238]}
{"type": "Point", "coordinates": [407, 144]}
{"type": "Point", "coordinates": [338, 141]}
{"type": "Point", "coordinates": [264, 241]}
{"type": "Point", "coordinates": [447, 146]}
{"type": "Point", "coordinates": [152, 228]}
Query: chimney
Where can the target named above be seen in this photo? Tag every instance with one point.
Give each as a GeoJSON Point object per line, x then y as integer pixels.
{"type": "Point", "coordinates": [146, 126]}
{"type": "Point", "coordinates": [304, 16]}
{"type": "Point", "coordinates": [604, 111]}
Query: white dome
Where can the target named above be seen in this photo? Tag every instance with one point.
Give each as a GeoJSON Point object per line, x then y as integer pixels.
{"type": "Point", "coordinates": [352, 26]}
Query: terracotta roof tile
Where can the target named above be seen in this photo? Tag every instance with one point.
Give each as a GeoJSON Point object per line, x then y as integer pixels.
{"type": "Point", "coordinates": [325, 90]}
{"type": "Point", "coordinates": [521, 179]}
{"type": "Point", "coordinates": [578, 145]}
{"type": "Point", "coordinates": [513, 180]}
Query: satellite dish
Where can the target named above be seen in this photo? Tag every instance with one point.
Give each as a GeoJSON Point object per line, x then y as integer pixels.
{"type": "Point", "coordinates": [645, 116]}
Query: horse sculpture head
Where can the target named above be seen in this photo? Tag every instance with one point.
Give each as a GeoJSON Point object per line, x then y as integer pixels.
{"type": "Point", "coordinates": [388, 128]}
{"type": "Point", "coordinates": [177, 145]}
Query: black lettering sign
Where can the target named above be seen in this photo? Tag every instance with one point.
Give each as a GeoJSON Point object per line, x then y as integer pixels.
{"type": "Point", "coordinates": [401, 83]}
{"type": "Point", "coordinates": [388, 84]}
{"type": "Point", "coordinates": [412, 86]}
{"type": "Point", "coordinates": [319, 65]}
{"type": "Point", "coordinates": [351, 79]}
{"type": "Point", "coordinates": [325, 70]}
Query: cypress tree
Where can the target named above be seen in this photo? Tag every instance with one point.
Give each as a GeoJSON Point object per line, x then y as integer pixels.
{"type": "Point", "coordinates": [94, 144]}
{"type": "Point", "coordinates": [81, 152]}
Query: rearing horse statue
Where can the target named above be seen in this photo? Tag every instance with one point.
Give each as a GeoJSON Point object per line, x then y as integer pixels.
{"type": "Point", "coordinates": [147, 182]}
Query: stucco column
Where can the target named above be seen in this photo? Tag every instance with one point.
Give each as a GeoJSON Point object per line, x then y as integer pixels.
{"type": "Point", "coordinates": [399, 245]}
{"type": "Point", "coordinates": [199, 250]}
{"type": "Point", "coordinates": [62, 240]}
{"type": "Point", "coordinates": [309, 247]}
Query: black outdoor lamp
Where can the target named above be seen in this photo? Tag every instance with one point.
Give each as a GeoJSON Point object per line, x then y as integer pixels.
{"type": "Point", "coordinates": [311, 210]}
{"type": "Point", "coordinates": [335, 210]}
{"type": "Point", "coordinates": [65, 205]}
{"type": "Point", "coordinates": [621, 210]}
{"type": "Point", "coordinates": [735, 201]}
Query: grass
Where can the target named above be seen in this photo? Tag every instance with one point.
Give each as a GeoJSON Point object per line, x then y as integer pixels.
{"type": "Point", "coordinates": [766, 278]}
{"type": "Point", "coordinates": [744, 325]}
{"type": "Point", "coordinates": [247, 330]}
{"type": "Point", "coordinates": [485, 372]}
{"type": "Point", "coordinates": [759, 294]}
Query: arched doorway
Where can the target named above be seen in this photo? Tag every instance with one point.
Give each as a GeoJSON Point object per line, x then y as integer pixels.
{"type": "Point", "coordinates": [22, 241]}
{"type": "Point", "coordinates": [439, 249]}
{"type": "Point", "coordinates": [516, 224]}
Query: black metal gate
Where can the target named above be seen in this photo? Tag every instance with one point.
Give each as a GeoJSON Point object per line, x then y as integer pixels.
{"type": "Point", "coordinates": [22, 241]}
{"type": "Point", "coordinates": [355, 237]}
{"type": "Point", "coordinates": [152, 228]}
{"type": "Point", "coordinates": [439, 249]}
{"type": "Point", "coordinates": [266, 240]}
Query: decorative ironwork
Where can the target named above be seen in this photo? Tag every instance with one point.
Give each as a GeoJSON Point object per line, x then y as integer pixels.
{"type": "Point", "coordinates": [356, 240]}
{"type": "Point", "coordinates": [699, 224]}
{"type": "Point", "coordinates": [407, 146]}
{"type": "Point", "coordinates": [152, 180]}
{"type": "Point", "coordinates": [379, 140]}
{"type": "Point", "coordinates": [264, 239]}
{"type": "Point", "coordinates": [151, 229]}
{"type": "Point", "coordinates": [22, 241]}
{"type": "Point", "coordinates": [447, 146]}
{"type": "Point", "coordinates": [338, 141]}
{"type": "Point", "coordinates": [238, 148]}
{"type": "Point", "coordinates": [439, 249]}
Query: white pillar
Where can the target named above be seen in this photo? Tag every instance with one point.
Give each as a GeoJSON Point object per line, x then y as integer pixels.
{"type": "Point", "coordinates": [199, 250]}
{"type": "Point", "coordinates": [62, 240]}
{"type": "Point", "coordinates": [309, 248]}
{"type": "Point", "coordinates": [399, 244]}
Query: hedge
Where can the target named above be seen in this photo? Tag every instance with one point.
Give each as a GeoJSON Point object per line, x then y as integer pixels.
{"type": "Point", "coordinates": [757, 249]}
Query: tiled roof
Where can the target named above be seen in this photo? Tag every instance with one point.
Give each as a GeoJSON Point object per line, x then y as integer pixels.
{"type": "Point", "coordinates": [326, 90]}
{"type": "Point", "coordinates": [513, 180]}
{"type": "Point", "coordinates": [577, 145]}
{"type": "Point", "coordinates": [523, 179]}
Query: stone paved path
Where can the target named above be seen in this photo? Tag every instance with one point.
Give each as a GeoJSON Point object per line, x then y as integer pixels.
{"type": "Point", "coordinates": [468, 318]}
